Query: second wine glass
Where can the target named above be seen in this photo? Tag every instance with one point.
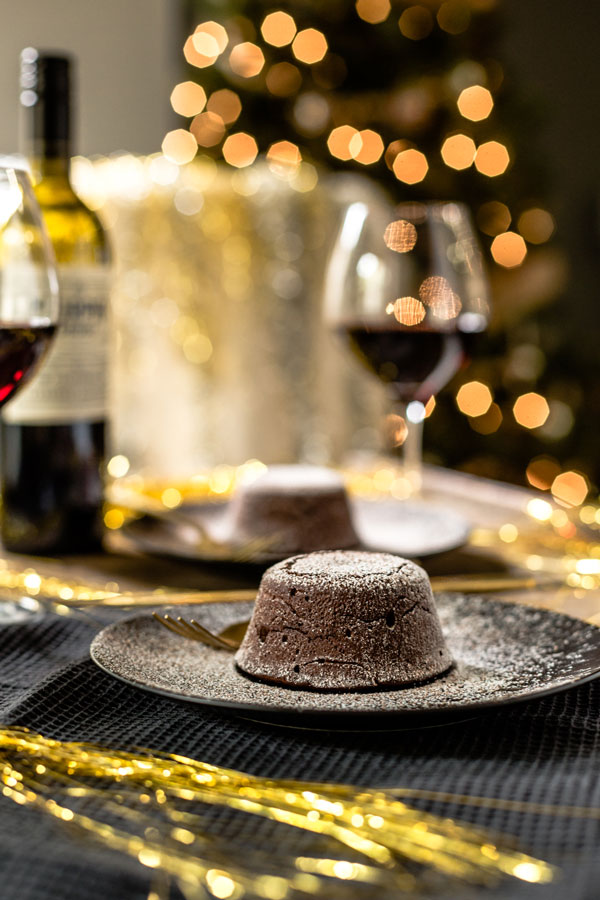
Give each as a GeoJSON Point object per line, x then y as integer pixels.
{"type": "Point", "coordinates": [407, 289]}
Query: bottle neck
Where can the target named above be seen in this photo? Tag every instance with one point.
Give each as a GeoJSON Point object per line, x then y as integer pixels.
{"type": "Point", "coordinates": [46, 113]}
{"type": "Point", "coordinates": [49, 160]}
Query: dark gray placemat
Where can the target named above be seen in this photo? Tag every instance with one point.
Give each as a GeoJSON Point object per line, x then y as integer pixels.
{"type": "Point", "coordinates": [546, 751]}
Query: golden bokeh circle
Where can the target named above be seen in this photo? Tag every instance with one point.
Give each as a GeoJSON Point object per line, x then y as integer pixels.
{"type": "Point", "coordinates": [400, 236]}
{"type": "Point", "coordinates": [240, 149]}
{"type": "Point", "coordinates": [410, 166]}
{"type": "Point", "coordinates": [509, 249]}
{"type": "Point", "coordinates": [309, 46]}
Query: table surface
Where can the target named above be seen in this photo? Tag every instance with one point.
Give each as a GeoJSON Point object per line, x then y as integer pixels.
{"type": "Point", "coordinates": [547, 751]}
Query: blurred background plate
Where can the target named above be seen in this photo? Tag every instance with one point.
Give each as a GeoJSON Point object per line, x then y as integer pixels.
{"type": "Point", "coordinates": [411, 529]}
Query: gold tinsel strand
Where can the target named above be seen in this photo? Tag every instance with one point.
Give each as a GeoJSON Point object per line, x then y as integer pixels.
{"type": "Point", "coordinates": [372, 824]}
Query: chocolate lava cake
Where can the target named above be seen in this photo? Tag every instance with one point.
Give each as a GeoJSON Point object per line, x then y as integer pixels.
{"type": "Point", "coordinates": [299, 508]}
{"type": "Point", "coordinates": [344, 621]}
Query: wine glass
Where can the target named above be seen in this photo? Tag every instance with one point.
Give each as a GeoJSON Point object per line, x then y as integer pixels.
{"type": "Point", "coordinates": [406, 287]}
{"type": "Point", "coordinates": [29, 303]}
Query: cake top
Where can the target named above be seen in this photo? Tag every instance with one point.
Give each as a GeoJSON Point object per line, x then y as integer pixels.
{"type": "Point", "coordinates": [293, 479]}
{"type": "Point", "coordinates": [346, 567]}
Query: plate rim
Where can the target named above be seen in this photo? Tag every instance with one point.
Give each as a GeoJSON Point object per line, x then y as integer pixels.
{"type": "Point", "coordinates": [460, 709]}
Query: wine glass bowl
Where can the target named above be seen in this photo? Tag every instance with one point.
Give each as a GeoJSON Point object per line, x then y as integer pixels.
{"type": "Point", "coordinates": [407, 289]}
{"type": "Point", "coordinates": [28, 284]}
{"type": "Point", "coordinates": [29, 299]}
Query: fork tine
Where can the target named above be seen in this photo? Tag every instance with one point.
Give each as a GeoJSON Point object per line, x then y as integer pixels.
{"type": "Point", "coordinates": [186, 628]}
{"type": "Point", "coordinates": [168, 623]}
{"type": "Point", "coordinates": [194, 631]}
{"type": "Point", "coordinates": [203, 634]}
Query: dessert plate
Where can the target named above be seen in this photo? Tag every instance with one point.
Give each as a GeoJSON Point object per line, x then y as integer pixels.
{"type": "Point", "coordinates": [503, 653]}
{"type": "Point", "coordinates": [406, 528]}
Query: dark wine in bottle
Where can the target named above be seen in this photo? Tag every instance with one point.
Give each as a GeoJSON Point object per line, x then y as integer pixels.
{"type": "Point", "coordinates": [53, 434]}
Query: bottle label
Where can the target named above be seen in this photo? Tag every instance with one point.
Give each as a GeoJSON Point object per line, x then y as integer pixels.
{"type": "Point", "coordinates": [71, 384]}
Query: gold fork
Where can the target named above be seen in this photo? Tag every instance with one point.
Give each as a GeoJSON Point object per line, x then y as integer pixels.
{"type": "Point", "coordinates": [229, 638]}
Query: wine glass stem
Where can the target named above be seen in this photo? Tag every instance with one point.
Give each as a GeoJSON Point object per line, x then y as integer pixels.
{"type": "Point", "coordinates": [412, 453]}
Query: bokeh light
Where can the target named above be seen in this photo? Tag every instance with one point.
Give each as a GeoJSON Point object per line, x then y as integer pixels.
{"type": "Point", "coordinates": [536, 225]}
{"type": "Point", "coordinates": [489, 422]}
{"type": "Point", "coordinates": [179, 146]}
{"type": "Point", "coordinates": [508, 533]}
{"type": "Point", "coordinates": [240, 149]}
{"type": "Point", "coordinates": [416, 23]}
{"type": "Point", "coordinates": [283, 79]}
{"type": "Point", "coordinates": [493, 217]}
{"type": "Point", "coordinates": [392, 151]}
{"type": "Point", "coordinates": [458, 151]}
{"type": "Point", "coordinates": [226, 104]}
{"type": "Point", "coordinates": [373, 11]}
{"type": "Point", "coordinates": [465, 74]}
{"type": "Point", "coordinates": [278, 29]}
{"type": "Point", "coordinates": [407, 310]}
{"type": "Point", "coordinates": [410, 166]}
{"type": "Point", "coordinates": [196, 58]}
{"type": "Point", "coordinates": [396, 430]}
{"type": "Point", "coordinates": [539, 509]}
{"type": "Point", "coordinates": [570, 487]}
{"type": "Point", "coordinates": [216, 31]}
{"type": "Point", "coordinates": [474, 398]}
{"type": "Point", "coordinates": [206, 45]}
{"type": "Point", "coordinates": [339, 140]}
{"type": "Point", "coordinates": [309, 46]}
{"type": "Point", "coordinates": [531, 410]}
{"type": "Point", "coordinates": [171, 497]}
{"type": "Point", "coordinates": [188, 99]}
{"type": "Point", "coordinates": [400, 236]}
{"type": "Point", "coordinates": [246, 59]}
{"type": "Point", "coordinates": [454, 16]}
{"type": "Point", "coordinates": [492, 159]}
{"type": "Point", "coordinates": [509, 249]}
{"type": "Point", "coordinates": [118, 466]}
{"type": "Point", "coordinates": [311, 113]}
{"type": "Point", "coordinates": [283, 156]}
{"type": "Point", "coordinates": [114, 519]}
{"type": "Point", "coordinates": [436, 292]}
{"type": "Point", "coordinates": [415, 411]}
{"type": "Point", "coordinates": [560, 421]}
{"type": "Point", "coordinates": [197, 348]}
{"type": "Point", "coordinates": [475, 103]}
{"type": "Point", "coordinates": [541, 472]}
{"type": "Point", "coordinates": [208, 129]}
{"type": "Point", "coordinates": [366, 147]}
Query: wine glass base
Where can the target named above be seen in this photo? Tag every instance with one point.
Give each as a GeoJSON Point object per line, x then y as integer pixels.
{"type": "Point", "coordinates": [19, 610]}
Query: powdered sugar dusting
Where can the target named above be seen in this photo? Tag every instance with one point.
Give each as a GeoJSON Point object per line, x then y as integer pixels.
{"type": "Point", "coordinates": [295, 478]}
{"type": "Point", "coordinates": [346, 564]}
{"type": "Point", "coordinates": [502, 653]}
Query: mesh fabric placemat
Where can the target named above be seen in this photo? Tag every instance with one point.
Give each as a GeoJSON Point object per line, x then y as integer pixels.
{"type": "Point", "coordinates": [546, 752]}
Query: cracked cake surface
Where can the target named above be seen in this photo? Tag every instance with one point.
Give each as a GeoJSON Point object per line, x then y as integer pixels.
{"type": "Point", "coordinates": [344, 620]}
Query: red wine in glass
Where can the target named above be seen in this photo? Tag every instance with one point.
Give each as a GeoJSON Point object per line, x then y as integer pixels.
{"type": "Point", "coordinates": [418, 362]}
{"type": "Point", "coordinates": [22, 347]}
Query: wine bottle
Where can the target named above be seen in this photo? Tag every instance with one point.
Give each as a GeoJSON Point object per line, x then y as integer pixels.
{"type": "Point", "coordinates": [53, 434]}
